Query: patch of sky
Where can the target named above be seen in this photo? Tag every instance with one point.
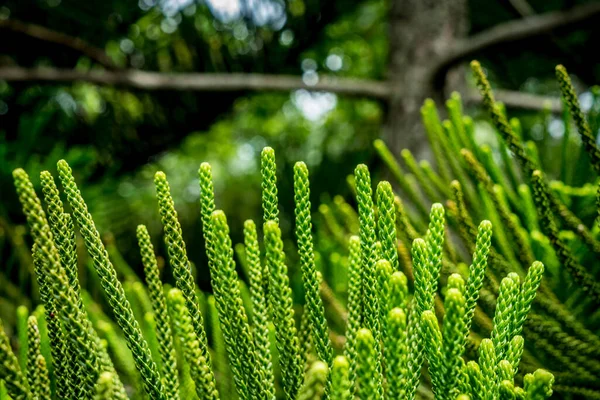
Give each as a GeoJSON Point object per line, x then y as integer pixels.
{"type": "Point", "coordinates": [262, 12]}
{"type": "Point", "coordinates": [314, 106]}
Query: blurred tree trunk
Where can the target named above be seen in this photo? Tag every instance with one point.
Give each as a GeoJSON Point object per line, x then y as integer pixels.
{"type": "Point", "coordinates": [421, 32]}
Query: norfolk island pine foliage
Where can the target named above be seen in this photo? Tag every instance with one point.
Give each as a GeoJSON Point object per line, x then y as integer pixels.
{"type": "Point", "coordinates": [412, 300]}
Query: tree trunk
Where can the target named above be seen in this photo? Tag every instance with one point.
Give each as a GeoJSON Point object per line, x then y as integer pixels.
{"type": "Point", "coordinates": [420, 33]}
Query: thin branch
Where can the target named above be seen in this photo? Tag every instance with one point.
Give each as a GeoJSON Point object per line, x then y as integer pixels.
{"type": "Point", "coordinates": [198, 81]}
{"type": "Point", "coordinates": [516, 30]}
{"type": "Point", "coordinates": [522, 7]}
{"type": "Point", "coordinates": [240, 82]}
{"type": "Point", "coordinates": [526, 10]}
{"type": "Point", "coordinates": [520, 100]}
{"type": "Point", "coordinates": [47, 35]}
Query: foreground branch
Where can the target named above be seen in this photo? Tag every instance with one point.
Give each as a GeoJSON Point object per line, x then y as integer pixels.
{"type": "Point", "coordinates": [516, 30]}
{"type": "Point", "coordinates": [198, 81]}
{"type": "Point", "coordinates": [47, 35]}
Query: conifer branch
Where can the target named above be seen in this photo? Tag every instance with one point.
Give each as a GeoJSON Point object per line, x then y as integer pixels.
{"type": "Point", "coordinates": [475, 379]}
{"type": "Point", "coordinates": [431, 123]}
{"type": "Point", "coordinates": [314, 387]}
{"type": "Point", "coordinates": [368, 377]}
{"type": "Point", "coordinates": [383, 274]}
{"type": "Point", "coordinates": [318, 323]}
{"type": "Point", "coordinates": [234, 322]}
{"type": "Point", "coordinates": [13, 377]}
{"type": "Point", "coordinates": [200, 370]}
{"type": "Point", "coordinates": [340, 382]}
{"type": "Point", "coordinates": [44, 379]}
{"type": "Point", "coordinates": [368, 239]}
{"type": "Point", "coordinates": [432, 338]}
{"type": "Point", "coordinates": [422, 301]}
{"type": "Point", "coordinates": [221, 367]}
{"type": "Point", "coordinates": [354, 306]}
{"type": "Point", "coordinates": [500, 121]}
{"type": "Point", "coordinates": [580, 275]}
{"type": "Point", "coordinates": [259, 308]}
{"type": "Point", "coordinates": [453, 337]}
{"type": "Point", "coordinates": [435, 244]}
{"type": "Point", "coordinates": [37, 374]}
{"type": "Point", "coordinates": [49, 266]}
{"type": "Point", "coordinates": [570, 98]}
{"type": "Point", "coordinates": [159, 306]}
{"type": "Point", "coordinates": [514, 353]}
{"type": "Point", "coordinates": [207, 206]}
{"type": "Point", "coordinates": [398, 296]}
{"type": "Point", "coordinates": [390, 161]}
{"type": "Point", "coordinates": [366, 214]}
{"type": "Point", "coordinates": [487, 363]}
{"type": "Point", "coordinates": [280, 300]}
{"type": "Point", "coordinates": [386, 223]}
{"type": "Point", "coordinates": [404, 224]}
{"type": "Point", "coordinates": [538, 385]}
{"type": "Point", "coordinates": [112, 286]}
{"type": "Point", "coordinates": [477, 271]}
{"type": "Point", "coordinates": [268, 171]}
{"type": "Point", "coordinates": [180, 264]}
{"type": "Point", "coordinates": [396, 355]}
{"type": "Point", "coordinates": [64, 237]}
{"type": "Point", "coordinates": [504, 314]}
{"type": "Point", "coordinates": [105, 389]}
{"type": "Point", "coordinates": [523, 249]}
{"type": "Point", "coordinates": [527, 295]}
{"type": "Point", "coordinates": [68, 251]}
{"type": "Point", "coordinates": [428, 189]}
{"type": "Point", "coordinates": [544, 198]}
{"type": "Point", "coordinates": [56, 337]}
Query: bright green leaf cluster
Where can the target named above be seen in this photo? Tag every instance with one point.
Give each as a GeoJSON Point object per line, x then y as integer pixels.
{"type": "Point", "coordinates": [403, 276]}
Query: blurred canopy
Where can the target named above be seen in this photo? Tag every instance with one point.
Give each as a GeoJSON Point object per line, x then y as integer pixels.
{"type": "Point", "coordinates": [116, 136]}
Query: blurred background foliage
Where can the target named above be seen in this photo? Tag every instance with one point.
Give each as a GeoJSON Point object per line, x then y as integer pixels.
{"type": "Point", "coordinates": [116, 138]}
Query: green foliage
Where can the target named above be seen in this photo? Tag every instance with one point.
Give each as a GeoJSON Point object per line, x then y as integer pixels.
{"type": "Point", "coordinates": [371, 306]}
{"type": "Point", "coordinates": [181, 267]}
{"type": "Point", "coordinates": [566, 257]}
{"type": "Point", "coordinates": [159, 307]}
{"type": "Point", "coordinates": [104, 387]}
{"type": "Point", "coordinates": [200, 370]}
{"type": "Point", "coordinates": [37, 372]}
{"type": "Point", "coordinates": [340, 382]}
{"type": "Point", "coordinates": [112, 286]}
{"type": "Point", "coordinates": [375, 291]}
{"type": "Point", "coordinates": [314, 384]}
{"type": "Point", "coordinates": [571, 100]}
{"type": "Point", "coordinates": [259, 308]}
{"type": "Point", "coordinates": [280, 301]}
{"type": "Point", "coordinates": [80, 345]}
{"type": "Point", "coordinates": [12, 375]}
{"type": "Point", "coordinates": [354, 305]}
{"type": "Point", "coordinates": [314, 303]}
{"type": "Point", "coordinates": [232, 315]}
{"type": "Point", "coordinates": [369, 370]}
{"type": "Point", "coordinates": [534, 218]}
{"type": "Point", "coordinates": [368, 378]}
{"type": "Point", "coordinates": [396, 352]}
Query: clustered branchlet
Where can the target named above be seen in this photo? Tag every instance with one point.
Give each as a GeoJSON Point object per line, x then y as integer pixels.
{"type": "Point", "coordinates": [385, 288]}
